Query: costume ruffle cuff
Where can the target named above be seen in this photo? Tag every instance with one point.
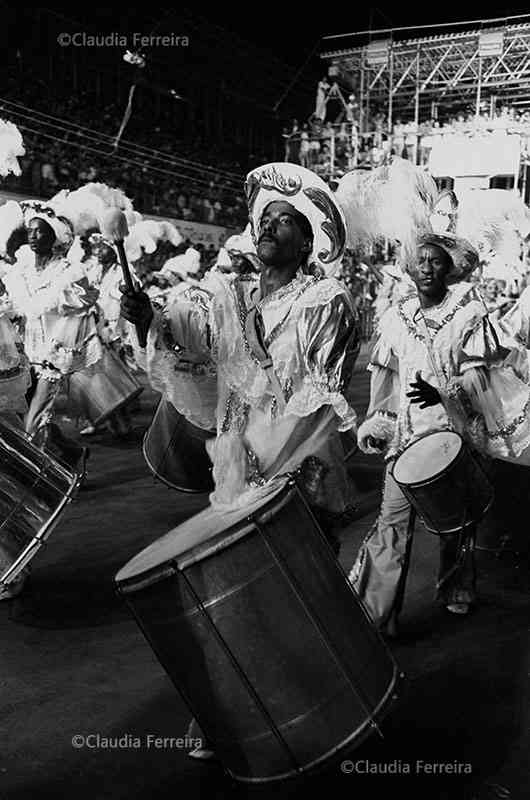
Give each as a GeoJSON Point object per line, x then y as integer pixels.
{"type": "Point", "coordinates": [381, 425]}
{"type": "Point", "coordinates": [315, 392]}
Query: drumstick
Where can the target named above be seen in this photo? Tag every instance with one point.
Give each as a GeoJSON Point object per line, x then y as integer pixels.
{"type": "Point", "coordinates": [114, 228]}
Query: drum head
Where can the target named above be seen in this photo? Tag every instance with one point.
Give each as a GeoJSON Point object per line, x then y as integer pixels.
{"type": "Point", "coordinates": [200, 535]}
{"type": "Point", "coordinates": [427, 457]}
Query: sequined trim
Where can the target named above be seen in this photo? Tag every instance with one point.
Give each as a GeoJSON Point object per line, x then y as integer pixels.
{"type": "Point", "coordinates": [383, 413]}
{"type": "Point", "coordinates": [254, 476]}
{"type": "Point", "coordinates": [236, 414]}
{"type": "Point", "coordinates": [509, 430]}
{"type": "Point", "coordinates": [243, 311]}
{"type": "Point", "coordinates": [435, 326]}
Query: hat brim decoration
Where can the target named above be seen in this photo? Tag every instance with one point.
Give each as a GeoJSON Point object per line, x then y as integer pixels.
{"type": "Point", "coordinates": [464, 257]}
{"type": "Point", "coordinates": [309, 195]}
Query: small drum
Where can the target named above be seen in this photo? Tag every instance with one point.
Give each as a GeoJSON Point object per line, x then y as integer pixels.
{"type": "Point", "coordinates": [100, 391]}
{"type": "Point", "coordinates": [257, 626]}
{"type": "Point", "coordinates": [34, 490]}
{"type": "Point", "coordinates": [444, 482]}
{"type": "Point", "coordinates": [175, 451]}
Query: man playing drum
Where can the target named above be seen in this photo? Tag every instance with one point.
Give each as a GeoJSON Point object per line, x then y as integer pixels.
{"type": "Point", "coordinates": [267, 356]}
{"type": "Point", "coordinates": [436, 366]}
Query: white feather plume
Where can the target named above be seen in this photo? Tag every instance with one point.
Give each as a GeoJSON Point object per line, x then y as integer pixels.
{"type": "Point", "coordinates": [11, 148]}
{"type": "Point", "coordinates": [11, 218]}
{"type": "Point", "coordinates": [241, 242]}
{"type": "Point", "coordinates": [390, 202]}
{"type": "Point", "coordinates": [145, 236]}
{"type": "Point", "coordinates": [493, 220]}
{"type": "Point", "coordinates": [86, 207]}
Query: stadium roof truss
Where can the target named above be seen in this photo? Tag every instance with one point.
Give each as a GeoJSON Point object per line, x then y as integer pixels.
{"type": "Point", "coordinates": [457, 69]}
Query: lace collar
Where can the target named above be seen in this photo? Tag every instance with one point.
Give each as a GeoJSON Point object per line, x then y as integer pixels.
{"type": "Point", "coordinates": [438, 316]}
{"type": "Point", "coordinates": [278, 294]}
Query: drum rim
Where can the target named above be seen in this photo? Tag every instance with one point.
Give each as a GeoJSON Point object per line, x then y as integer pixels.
{"type": "Point", "coordinates": [361, 733]}
{"type": "Point", "coordinates": [205, 549]}
{"type": "Point", "coordinates": [436, 475]}
{"type": "Point", "coordinates": [130, 397]}
{"type": "Point", "coordinates": [32, 548]}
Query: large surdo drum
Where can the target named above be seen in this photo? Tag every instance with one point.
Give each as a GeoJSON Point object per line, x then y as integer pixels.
{"type": "Point", "coordinates": [175, 451]}
{"type": "Point", "coordinates": [34, 490]}
{"type": "Point", "coordinates": [263, 636]}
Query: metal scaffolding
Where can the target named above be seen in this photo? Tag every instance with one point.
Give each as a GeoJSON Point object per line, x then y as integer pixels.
{"type": "Point", "coordinates": [414, 78]}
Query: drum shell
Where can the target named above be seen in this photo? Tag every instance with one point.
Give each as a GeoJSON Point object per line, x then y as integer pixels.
{"type": "Point", "coordinates": [276, 657]}
{"type": "Point", "coordinates": [458, 496]}
{"type": "Point", "coordinates": [175, 451]}
{"type": "Point", "coordinates": [102, 390]}
{"type": "Point", "coordinates": [34, 489]}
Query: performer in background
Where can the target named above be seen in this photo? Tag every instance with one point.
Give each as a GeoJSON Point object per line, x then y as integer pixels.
{"type": "Point", "coordinates": [57, 305]}
{"type": "Point", "coordinates": [437, 365]}
{"type": "Point", "coordinates": [103, 392]}
{"type": "Point", "coordinates": [270, 354]}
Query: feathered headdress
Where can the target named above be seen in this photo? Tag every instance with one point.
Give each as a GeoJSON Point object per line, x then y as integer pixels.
{"type": "Point", "coordinates": [86, 207]}
{"type": "Point", "coordinates": [61, 226]}
{"type": "Point", "coordinates": [145, 236]}
{"type": "Point", "coordinates": [182, 266]}
{"type": "Point", "coordinates": [391, 202]}
{"type": "Point", "coordinates": [11, 148]}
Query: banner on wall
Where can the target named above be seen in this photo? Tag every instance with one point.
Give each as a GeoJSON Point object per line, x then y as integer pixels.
{"type": "Point", "coordinates": [199, 232]}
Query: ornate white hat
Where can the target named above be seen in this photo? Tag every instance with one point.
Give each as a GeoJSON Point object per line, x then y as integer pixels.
{"type": "Point", "coordinates": [309, 195]}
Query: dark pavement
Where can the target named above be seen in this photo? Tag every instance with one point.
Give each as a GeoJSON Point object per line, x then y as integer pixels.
{"type": "Point", "coordinates": [74, 662]}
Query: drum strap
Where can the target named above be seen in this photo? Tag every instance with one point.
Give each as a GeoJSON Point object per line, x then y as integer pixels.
{"type": "Point", "coordinates": [255, 334]}
{"type": "Point", "coordinates": [440, 377]}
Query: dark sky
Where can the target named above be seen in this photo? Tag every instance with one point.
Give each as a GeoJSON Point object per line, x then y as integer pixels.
{"type": "Point", "coordinates": [293, 31]}
{"type": "Point", "coordinates": [289, 30]}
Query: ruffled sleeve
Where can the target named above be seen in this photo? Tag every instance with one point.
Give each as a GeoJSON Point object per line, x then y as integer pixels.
{"type": "Point", "coordinates": [494, 393]}
{"type": "Point", "coordinates": [178, 359]}
{"type": "Point", "coordinates": [77, 297]}
{"type": "Point", "coordinates": [329, 340]}
{"type": "Point", "coordinates": [381, 416]}
{"type": "Point", "coordinates": [481, 346]}
{"type": "Point", "coordinates": [516, 322]}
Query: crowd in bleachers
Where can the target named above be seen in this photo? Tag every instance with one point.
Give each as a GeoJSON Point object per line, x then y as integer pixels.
{"type": "Point", "coordinates": [67, 145]}
{"type": "Point", "coordinates": [333, 148]}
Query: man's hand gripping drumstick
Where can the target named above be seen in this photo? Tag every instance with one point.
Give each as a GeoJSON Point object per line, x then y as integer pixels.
{"type": "Point", "coordinates": [135, 305]}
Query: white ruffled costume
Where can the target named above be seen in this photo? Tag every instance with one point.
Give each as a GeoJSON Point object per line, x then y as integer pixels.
{"type": "Point", "coordinates": [269, 414]}
{"type": "Point", "coordinates": [212, 378]}
{"type": "Point", "coordinates": [494, 417]}
{"type": "Point", "coordinates": [57, 305]}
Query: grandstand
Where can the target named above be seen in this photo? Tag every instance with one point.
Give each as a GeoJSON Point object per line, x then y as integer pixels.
{"type": "Point", "coordinates": [442, 100]}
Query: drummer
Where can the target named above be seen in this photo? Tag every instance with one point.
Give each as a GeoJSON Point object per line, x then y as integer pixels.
{"type": "Point", "coordinates": [281, 343]}
{"type": "Point", "coordinates": [437, 365]}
